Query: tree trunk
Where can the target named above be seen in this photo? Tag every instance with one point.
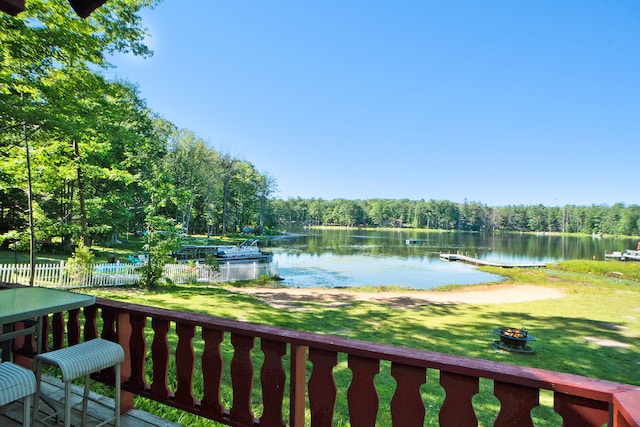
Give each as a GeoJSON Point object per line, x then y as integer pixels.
{"type": "Point", "coordinates": [32, 231]}
{"type": "Point", "coordinates": [83, 209]}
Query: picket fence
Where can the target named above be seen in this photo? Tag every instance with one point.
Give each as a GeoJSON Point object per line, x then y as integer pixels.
{"type": "Point", "coordinates": [55, 275]}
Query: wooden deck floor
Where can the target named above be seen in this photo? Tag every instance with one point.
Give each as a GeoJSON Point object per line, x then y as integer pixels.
{"type": "Point", "coordinates": [100, 408]}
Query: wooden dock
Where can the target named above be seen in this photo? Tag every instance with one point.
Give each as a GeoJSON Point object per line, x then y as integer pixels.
{"type": "Point", "coordinates": [480, 262]}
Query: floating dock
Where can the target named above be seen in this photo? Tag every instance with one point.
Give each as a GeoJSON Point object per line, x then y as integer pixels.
{"type": "Point", "coordinates": [475, 261]}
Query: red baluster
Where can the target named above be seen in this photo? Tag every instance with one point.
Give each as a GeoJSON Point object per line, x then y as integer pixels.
{"type": "Point", "coordinates": [109, 325]}
{"type": "Point", "coordinates": [241, 379]}
{"type": "Point", "coordinates": [457, 408]}
{"type": "Point", "coordinates": [90, 322]}
{"type": "Point", "coordinates": [362, 395]}
{"type": "Point", "coordinates": [57, 327]}
{"type": "Point", "coordinates": [516, 403]}
{"type": "Point", "coordinates": [73, 327]}
{"type": "Point", "coordinates": [160, 356]}
{"type": "Point", "coordinates": [185, 362]}
{"type": "Point", "coordinates": [407, 407]}
{"type": "Point", "coordinates": [212, 365]}
{"type": "Point", "coordinates": [273, 379]}
{"type": "Point", "coordinates": [45, 334]}
{"type": "Point", "coordinates": [138, 347]}
{"type": "Point", "coordinates": [322, 387]}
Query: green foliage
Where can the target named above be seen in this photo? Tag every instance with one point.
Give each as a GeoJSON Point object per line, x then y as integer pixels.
{"type": "Point", "coordinates": [211, 261]}
{"type": "Point", "coordinates": [80, 264]}
{"type": "Point", "coordinates": [163, 238]}
{"type": "Point", "coordinates": [15, 240]}
{"type": "Point", "coordinates": [616, 269]}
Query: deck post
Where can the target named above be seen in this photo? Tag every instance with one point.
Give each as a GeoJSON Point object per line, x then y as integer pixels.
{"type": "Point", "coordinates": [297, 386]}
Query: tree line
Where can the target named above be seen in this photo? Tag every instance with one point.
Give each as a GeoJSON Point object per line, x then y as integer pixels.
{"type": "Point", "coordinates": [83, 158]}
{"type": "Point", "coordinates": [618, 219]}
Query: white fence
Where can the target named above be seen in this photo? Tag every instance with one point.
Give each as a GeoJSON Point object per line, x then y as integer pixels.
{"type": "Point", "coordinates": [122, 274]}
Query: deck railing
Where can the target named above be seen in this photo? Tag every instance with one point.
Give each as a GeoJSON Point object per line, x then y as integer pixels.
{"type": "Point", "coordinates": [299, 367]}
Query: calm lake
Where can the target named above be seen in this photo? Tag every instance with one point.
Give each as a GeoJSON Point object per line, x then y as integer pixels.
{"type": "Point", "coordinates": [352, 257]}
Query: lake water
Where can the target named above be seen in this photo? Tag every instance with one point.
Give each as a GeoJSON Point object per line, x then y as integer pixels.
{"type": "Point", "coordinates": [352, 257]}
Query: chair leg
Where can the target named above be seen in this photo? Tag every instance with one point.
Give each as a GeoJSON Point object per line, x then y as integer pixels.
{"type": "Point", "coordinates": [26, 414]}
{"type": "Point", "coordinates": [36, 399]}
{"type": "Point", "coordinates": [85, 399]}
{"type": "Point", "coordinates": [117, 384]}
{"type": "Point", "coordinates": [67, 404]}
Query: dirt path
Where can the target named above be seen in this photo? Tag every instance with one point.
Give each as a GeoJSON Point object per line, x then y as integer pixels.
{"type": "Point", "coordinates": [497, 294]}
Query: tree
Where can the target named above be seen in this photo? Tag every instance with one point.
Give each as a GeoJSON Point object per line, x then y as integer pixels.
{"type": "Point", "coordinates": [266, 185]}
{"type": "Point", "coordinates": [45, 52]}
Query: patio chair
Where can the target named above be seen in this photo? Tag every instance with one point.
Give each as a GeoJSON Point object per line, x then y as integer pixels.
{"type": "Point", "coordinates": [134, 260]}
{"type": "Point", "coordinates": [81, 360]}
{"type": "Point", "coordinates": [16, 383]}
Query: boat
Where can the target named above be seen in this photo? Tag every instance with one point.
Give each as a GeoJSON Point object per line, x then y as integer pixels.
{"type": "Point", "coordinates": [627, 255]}
{"type": "Point", "coordinates": [247, 251]}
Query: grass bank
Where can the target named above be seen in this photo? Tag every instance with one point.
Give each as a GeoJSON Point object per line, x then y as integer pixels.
{"type": "Point", "coordinates": [593, 330]}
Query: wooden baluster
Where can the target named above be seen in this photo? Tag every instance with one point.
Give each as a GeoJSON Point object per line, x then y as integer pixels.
{"type": "Point", "coordinates": [297, 385]}
{"type": "Point", "coordinates": [457, 408]}
{"type": "Point", "coordinates": [273, 379]}
{"type": "Point", "coordinates": [185, 363]}
{"type": "Point", "coordinates": [160, 357]}
{"type": "Point", "coordinates": [57, 327]}
{"type": "Point", "coordinates": [27, 346]}
{"type": "Point", "coordinates": [241, 379]}
{"type": "Point", "coordinates": [108, 325]}
{"type": "Point", "coordinates": [407, 407]}
{"type": "Point", "coordinates": [322, 387]}
{"type": "Point", "coordinates": [580, 411]}
{"type": "Point", "coordinates": [124, 330]}
{"type": "Point", "coordinates": [516, 403]}
{"type": "Point", "coordinates": [138, 353]}
{"type": "Point", "coordinates": [212, 365]}
{"type": "Point", "coordinates": [45, 334]}
{"type": "Point", "coordinates": [73, 327]}
{"type": "Point", "coordinates": [362, 394]}
{"type": "Point", "coordinates": [108, 333]}
{"type": "Point", "coordinates": [90, 323]}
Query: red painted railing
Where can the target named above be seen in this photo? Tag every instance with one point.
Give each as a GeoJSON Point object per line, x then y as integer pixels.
{"type": "Point", "coordinates": [165, 338]}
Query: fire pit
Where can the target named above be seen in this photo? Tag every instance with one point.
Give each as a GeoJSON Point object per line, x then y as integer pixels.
{"type": "Point", "coordinates": [513, 339]}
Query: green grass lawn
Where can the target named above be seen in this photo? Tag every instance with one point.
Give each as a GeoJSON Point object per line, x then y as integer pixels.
{"type": "Point", "coordinates": [592, 331]}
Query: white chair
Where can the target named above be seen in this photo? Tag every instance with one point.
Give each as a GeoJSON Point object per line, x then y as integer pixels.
{"type": "Point", "coordinates": [16, 383]}
{"type": "Point", "coordinates": [81, 360]}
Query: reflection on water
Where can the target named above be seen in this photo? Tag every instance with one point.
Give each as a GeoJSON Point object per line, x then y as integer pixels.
{"type": "Point", "coordinates": [344, 258]}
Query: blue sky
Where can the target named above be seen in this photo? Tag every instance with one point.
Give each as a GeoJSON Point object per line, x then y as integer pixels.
{"type": "Point", "coordinates": [498, 102]}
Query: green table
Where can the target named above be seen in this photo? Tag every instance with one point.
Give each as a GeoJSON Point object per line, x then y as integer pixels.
{"type": "Point", "coordinates": [29, 303]}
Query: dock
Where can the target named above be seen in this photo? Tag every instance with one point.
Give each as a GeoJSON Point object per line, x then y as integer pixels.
{"type": "Point", "coordinates": [480, 262]}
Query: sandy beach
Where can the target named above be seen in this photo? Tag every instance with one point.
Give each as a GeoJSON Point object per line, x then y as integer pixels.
{"type": "Point", "coordinates": [295, 298]}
